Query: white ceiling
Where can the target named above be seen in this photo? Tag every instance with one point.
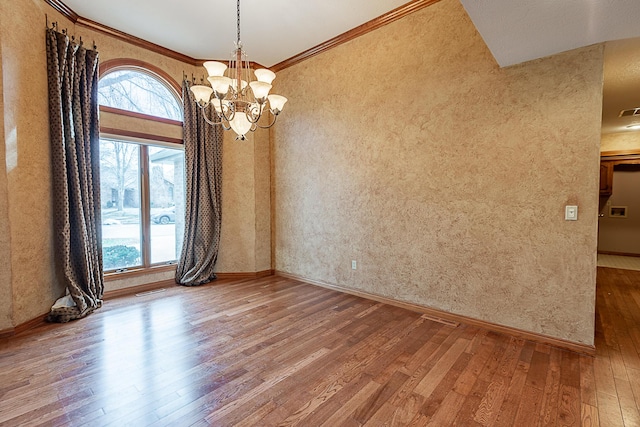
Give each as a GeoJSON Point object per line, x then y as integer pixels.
{"type": "Point", "coordinates": [621, 90]}
{"type": "Point", "coordinates": [272, 31]}
{"type": "Point", "coordinates": [520, 30]}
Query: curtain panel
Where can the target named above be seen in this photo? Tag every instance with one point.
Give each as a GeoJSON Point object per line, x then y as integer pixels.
{"type": "Point", "coordinates": [75, 133]}
{"type": "Point", "coordinates": [203, 217]}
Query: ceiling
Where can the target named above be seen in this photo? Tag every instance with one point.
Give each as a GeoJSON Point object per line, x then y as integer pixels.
{"type": "Point", "coordinates": [621, 89]}
{"type": "Point", "coordinates": [520, 30]}
{"type": "Point", "coordinates": [272, 31]}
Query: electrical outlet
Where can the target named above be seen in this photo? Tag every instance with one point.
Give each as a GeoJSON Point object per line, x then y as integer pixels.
{"type": "Point", "coordinates": [354, 264]}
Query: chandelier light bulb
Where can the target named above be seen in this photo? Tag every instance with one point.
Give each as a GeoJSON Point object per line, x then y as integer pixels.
{"type": "Point", "coordinates": [220, 84]}
{"type": "Point", "coordinates": [215, 68]}
{"type": "Point", "coordinates": [264, 75]}
{"type": "Point", "coordinates": [240, 124]}
{"type": "Point", "coordinates": [202, 93]}
{"type": "Point", "coordinates": [260, 90]}
{"type": "Point", "coordinates": [276, 102]}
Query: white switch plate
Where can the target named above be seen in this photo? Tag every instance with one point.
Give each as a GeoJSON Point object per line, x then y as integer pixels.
{"type": "Point", "coordinates": [571, 213]}
{"type": "Point", "coordinates": [354, 264]}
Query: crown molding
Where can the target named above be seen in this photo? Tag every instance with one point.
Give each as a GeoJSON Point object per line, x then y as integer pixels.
{"type": "Point", "coordinates": [374, 24]}
{"type": "Point", "coordinates": [65, 10]}
{"type": "Point", "coordinates": [104, 29]}
{"type": "Point", "coordinates": [136, 41]}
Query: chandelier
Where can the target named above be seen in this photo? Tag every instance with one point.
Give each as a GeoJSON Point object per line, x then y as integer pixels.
{"type": "Point", "coordinates": [239, 102]}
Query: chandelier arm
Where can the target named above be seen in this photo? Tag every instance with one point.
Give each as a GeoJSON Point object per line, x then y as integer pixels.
{"type": "Point", "coordinates": [213, 123]}
{"type": "Point", "coordinates": [273, 122]}
{"type": "Point", "coordinates": [253, 118]}
{"type": "Point", "coordinates": [221, 123]}
{"type": "Point", "coordinates": [223, 115]}
{"type": "Point", "coordinates": [206, 119]}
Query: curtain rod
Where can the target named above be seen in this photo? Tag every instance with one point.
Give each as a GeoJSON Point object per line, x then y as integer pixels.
{"type": "Point", "coordinates": [54, 27]}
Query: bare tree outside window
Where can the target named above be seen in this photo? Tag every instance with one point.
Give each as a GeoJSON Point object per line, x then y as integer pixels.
{"type": "Point", "coordinates": [139, 92]}
{"type": "Point", "coordinates": [120, 197]}
{"type": "Point", "coordinates": [119, 167]}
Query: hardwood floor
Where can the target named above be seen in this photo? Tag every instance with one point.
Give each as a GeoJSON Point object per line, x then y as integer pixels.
{"type": "Point", "coordinates": [274, 351]}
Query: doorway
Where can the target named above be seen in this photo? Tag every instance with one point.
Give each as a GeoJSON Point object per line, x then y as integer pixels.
{"type": "Point", "coordinates": [619, 216]}
{"type": "Point", "coordinates": [619, 207]}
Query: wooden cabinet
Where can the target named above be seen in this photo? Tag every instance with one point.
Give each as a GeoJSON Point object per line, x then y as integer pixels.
{"type": "Point", "coordinates": [606, 178]}
{"type": "Point", "coordinates": [619, 160]}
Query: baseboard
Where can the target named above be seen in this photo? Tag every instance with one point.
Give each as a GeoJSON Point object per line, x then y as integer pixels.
{"type": "Point", "coordinates": [24, 327]}
{"type": "Point", "coordinates": [6, 333]}
{"type": "Point", "coordinates": [240, 276]}
{"type": "Point", "coordinates": [518, 333]}
{"type": "Point", "coordinates": [265, 273]}
{"type": "Point", "coordinates": [31, 324]}
{"type": "Point", "coordinates": [618, 253]}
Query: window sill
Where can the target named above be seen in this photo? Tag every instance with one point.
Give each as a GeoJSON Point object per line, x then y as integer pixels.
{"type": "Point", "coordinates": [137, 272]}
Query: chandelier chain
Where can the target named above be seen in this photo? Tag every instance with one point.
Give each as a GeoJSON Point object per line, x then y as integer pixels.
{"type": "Point", "coordinates": [238, 11]}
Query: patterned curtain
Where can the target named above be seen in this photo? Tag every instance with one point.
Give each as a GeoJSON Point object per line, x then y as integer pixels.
{"type": "Point", "coordinates": [74, 130]}
{"type": "Point", "coordinates": [203, 165]}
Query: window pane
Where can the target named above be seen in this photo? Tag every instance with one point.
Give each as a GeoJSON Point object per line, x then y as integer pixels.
{"type": "Point", "coordinates": [166, 197]}
{"type": "Point", "coordinates": [138, 92]}
{"type": "Point", "coordinates": [120, 195]}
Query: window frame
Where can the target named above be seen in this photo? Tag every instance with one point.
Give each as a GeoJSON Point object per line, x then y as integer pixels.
{"type": "Point", "coordinates": [143, 140]}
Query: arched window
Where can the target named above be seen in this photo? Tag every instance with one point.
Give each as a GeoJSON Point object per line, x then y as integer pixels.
{"type": "Point", "coordinates": [141, 174]}
{"type": "Point", "coordinates": [140, 92]}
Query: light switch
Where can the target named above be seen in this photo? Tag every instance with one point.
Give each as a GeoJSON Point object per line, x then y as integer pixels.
{"type": "Point", "coordinates": [571, 213]}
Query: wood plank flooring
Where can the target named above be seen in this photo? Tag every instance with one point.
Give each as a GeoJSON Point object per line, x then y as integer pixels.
{"type": "Point", "coordinates": [277, 352]}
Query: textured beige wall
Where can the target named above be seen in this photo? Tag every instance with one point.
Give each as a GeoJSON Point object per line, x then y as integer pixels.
{"type": "Point", "coordinates": [26, 141]}
{"type": "Point", "coordinates": [237, 239]}
{"type": "Point", "coordinates": [245, 245]}
{"type": "Point", "coordinates": [444, 176]}
{"type": "Point", "coordinates": [6, 300]}
{"type": "Point", "coordinates": [620, 141]}
{"type": "Point", "coordinates": [113, 48]}
{"type": "Point", "coordinates": [262, 173]}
